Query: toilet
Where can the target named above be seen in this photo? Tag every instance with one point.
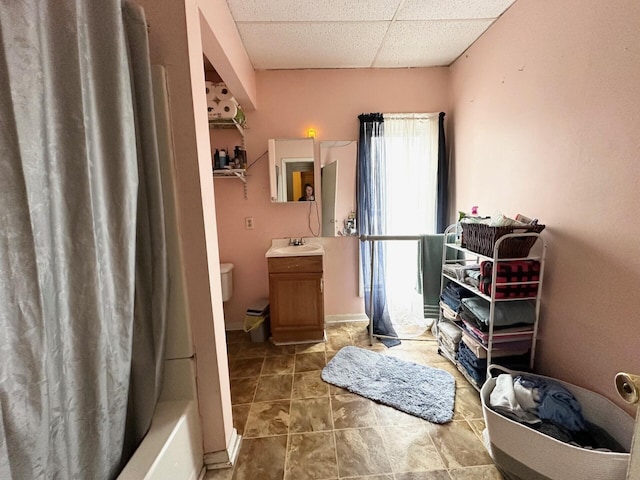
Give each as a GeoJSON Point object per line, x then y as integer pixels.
{"type": "Point", "coordinates": [226, 276]}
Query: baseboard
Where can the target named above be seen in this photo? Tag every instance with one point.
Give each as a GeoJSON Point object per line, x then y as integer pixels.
{"type": "Point", "coordinates": [224, 458]}
{"type": "Point", "coordinates": [346, 317]}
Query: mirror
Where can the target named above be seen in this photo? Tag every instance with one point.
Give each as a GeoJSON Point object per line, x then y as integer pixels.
{"type": "Point", "coordinates": [291, 169]}
{"type": "Point", "coordinates": [338, 171]}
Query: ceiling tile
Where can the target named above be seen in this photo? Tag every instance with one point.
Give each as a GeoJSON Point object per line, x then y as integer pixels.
{"type": "Point", "coordinates": [311, 45]}
{"type": "Point", "coordinates": [452, 10]}
{"type": "Point", "coordinates": [305, 11]}
{"type": "Point", "coordinates": [417, 44]}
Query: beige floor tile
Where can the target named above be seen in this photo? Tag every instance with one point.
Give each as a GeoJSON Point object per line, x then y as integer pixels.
{"type": "Point", "coordinates": [388, 416]}
{"type": "Point", "coordinates": [458, 445]}
{"type": "Point", "coordinates": [335, 390]}
{"type": "Point", "coordinates": [360, 453]}
{"type": "Point", "coordinates": [311, 456]}
{"type": "Point", "coordinates": [488, 472]}
{"type": "Point", "coordinates": [370, 440]}
{"type": "Point", "coordinates": [233, 349]}
{"type": "Point", "coordinates": [261, 458]}
{"type": "Point", "coordinates": [477, 425]}
{"type": "Point", "coordinates": [272, 349]}
{"type": "Point", "coordinates": [273, 387]}
{"type": "Point", "coordinates": [243, 390]}
{"type": "Point", "coordinates": [336, 342]}
{"type": "Point", "coordinates": [309, 384]}
{"type": "Point", "coordinates": [467, 404]}
{"type": "Point", "coordinates": [434, 475]}
{"type": "Point", "coordinates": [246, 367]}
{"type": "Point", "coordinates": [451, 368]}
{"type": "Point", "coordinates": [240, 415]}
{"type": "Point", "coordinates": [278, 364]}
{"type": "Point", "coordinates": [238, 336]}
{"type": "Point", "coordinates": [253, 350]}
{"type": "Point", "coordinates": [307, 362]}
{"type": "Point", "coordinates": [352, 411]}
{"type": "Point", "coordinates": [310, 415]}
{"type": "Point", "coordinates": [373, 477]}
{"type": "Point", "coordinates": [310, 347]}
{"type": "Point", "coordinates": [219, 474]}
{"type": "Point", "coordinates": [410, 449]}
{"type": "Point", "coordinates": [268, 418]}
{"type": "Point", "coordinates": [329, 355]}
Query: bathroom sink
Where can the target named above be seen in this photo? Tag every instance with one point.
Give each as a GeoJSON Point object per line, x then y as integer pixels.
{"type": "Point", "coordinates": [295, 250]}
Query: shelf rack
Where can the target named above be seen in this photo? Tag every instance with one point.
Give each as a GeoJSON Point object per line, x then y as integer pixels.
{"type": "Point", "coordinates": [470, 256]}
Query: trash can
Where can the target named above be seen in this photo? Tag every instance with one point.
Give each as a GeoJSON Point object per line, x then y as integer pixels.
{"type": "Point", "coordinates": [256, 321]}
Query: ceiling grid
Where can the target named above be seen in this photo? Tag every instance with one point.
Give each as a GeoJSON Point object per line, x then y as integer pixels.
{"type": "Point", "coordinates": [295, 34]}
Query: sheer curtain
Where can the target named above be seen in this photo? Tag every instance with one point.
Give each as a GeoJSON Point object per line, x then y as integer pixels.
{"type": "Point", "coordinates": [82, 262]}
{"type": "Point", "coordinates": [397, 195]}
{"type": "Point", "coordinates": [411, 146]}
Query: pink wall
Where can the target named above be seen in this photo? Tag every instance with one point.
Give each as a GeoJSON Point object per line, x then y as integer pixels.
{"type": "Point", "coordinates": [546, 121]}
{"type": "Point", "coordinates": [179, 34]}
{"type": "Point", "coordinates": [289, 103]}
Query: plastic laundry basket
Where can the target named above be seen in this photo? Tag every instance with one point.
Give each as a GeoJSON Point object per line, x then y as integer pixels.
{"type": "Point", "coordinates": [523, 453]}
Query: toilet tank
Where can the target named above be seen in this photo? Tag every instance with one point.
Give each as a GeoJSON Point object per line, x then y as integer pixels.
{"type": "Point", "coordinates": [226, 276]}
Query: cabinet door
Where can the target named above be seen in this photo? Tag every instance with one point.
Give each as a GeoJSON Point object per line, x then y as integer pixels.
{"type": "Point", "coordinates": [296, 306]}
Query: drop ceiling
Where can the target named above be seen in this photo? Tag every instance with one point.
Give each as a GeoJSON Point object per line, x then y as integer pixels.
{"type": "Point", "coordinates": [301, 34]}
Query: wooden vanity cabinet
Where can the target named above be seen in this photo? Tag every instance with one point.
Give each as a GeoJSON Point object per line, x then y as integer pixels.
{"type": "Point", "coordinates": [296, 299]}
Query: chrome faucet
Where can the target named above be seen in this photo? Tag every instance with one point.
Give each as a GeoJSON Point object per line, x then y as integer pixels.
{"type": "Point", "coordinates": [296, 242]}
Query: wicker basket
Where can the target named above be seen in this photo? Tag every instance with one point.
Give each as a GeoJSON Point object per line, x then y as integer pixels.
{"type": "Point", "coordinates": [481, 238]}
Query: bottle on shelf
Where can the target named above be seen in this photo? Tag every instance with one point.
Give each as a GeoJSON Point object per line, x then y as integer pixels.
{"type": "Point", "coordinates": [216, 160]}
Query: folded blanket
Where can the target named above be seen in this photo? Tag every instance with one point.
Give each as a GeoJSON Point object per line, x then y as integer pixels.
{"type": "Point", "coordinates": [477, 375]}
{"type": "Point", "coordinates": [447, 312]}
{"type": "Point", "coordinates": [499, 335]}
{"type": "Point", "coordinates": [450, 331]}
{"type": "Point", "coordinates": [459, 271]}
{"type": "Point", "coordinates": [505, 313]}
{"type": "Point", "coordinates": [514, 271]}
{"type": "Point", "coordinates": [452, 294]}
{"type": "Point", "coordinates": [505, 349]}
{"type": "Point", "coordinates": [470, 358]}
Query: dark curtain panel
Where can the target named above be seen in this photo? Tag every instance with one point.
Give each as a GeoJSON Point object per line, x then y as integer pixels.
{"type": "Point", "coordinates": [371, 194]}
{"type": "Point", "coordinates": [442, 218]}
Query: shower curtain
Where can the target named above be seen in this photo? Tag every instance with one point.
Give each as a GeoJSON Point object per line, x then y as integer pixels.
{"type": "Point", "coordinates": [82, 262]}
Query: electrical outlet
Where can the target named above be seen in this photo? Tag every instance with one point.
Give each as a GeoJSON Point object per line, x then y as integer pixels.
{"type": "Point", "coordinates": [248, 223]}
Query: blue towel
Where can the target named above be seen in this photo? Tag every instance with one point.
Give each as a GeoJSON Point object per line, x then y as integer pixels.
{"type": "Point", "coordinates": [556, 403]}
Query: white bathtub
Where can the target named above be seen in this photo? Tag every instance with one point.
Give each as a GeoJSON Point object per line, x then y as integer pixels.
{"type": "Point", "coordinates": [172, 450]}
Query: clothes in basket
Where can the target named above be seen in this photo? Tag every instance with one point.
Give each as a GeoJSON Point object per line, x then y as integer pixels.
{"type": "Point", "coordinates": [524, 453]}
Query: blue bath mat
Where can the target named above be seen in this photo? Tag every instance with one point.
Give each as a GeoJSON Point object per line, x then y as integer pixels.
{"type": "Point", "coordinates": [425, 392]}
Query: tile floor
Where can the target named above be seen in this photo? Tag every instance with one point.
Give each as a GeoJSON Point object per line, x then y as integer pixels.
{"type": "Point", "coordinates": [297, 427]}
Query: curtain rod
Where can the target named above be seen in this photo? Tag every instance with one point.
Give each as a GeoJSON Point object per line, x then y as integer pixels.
{"type": "Point", "coordinates": [365, 238]}
{"type": "Point", "coordinates": [418, 116]}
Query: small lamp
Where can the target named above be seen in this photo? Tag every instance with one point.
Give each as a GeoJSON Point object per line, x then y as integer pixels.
{"type": "Point", "coordinates": [311, 133]}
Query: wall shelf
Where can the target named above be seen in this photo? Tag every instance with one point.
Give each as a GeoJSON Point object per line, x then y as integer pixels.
{"type": "Point", "coordinates": [239, 173]}
{"type": "Point", "coordinates": [226, 123]}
